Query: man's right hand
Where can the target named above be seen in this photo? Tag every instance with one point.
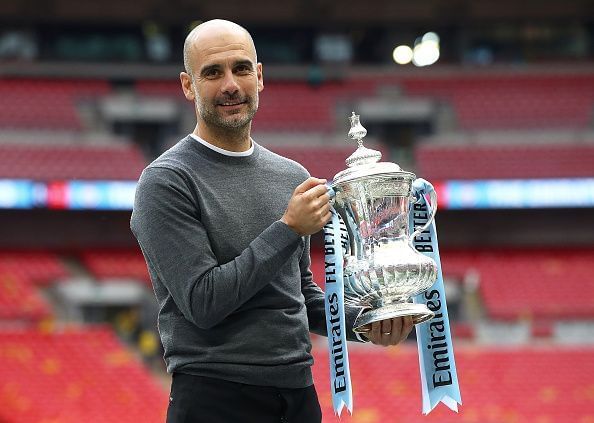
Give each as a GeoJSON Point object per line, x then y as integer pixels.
{"type": "Point", "coordinates": [309, 207]}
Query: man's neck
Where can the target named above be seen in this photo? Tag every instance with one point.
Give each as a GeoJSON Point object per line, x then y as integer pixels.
{"type": "Point", "coordinates": [237, 140]}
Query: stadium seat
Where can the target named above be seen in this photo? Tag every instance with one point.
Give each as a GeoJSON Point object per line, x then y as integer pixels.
{"type": "Point", "coordinates": [46, 103]}
{"type": "Point", "coordinates": [75, 375]}
{"type": "Point", "coordinates": [441, 162]}
{"type": "Point", "coordinates": [512, 101]}
{"type": "Point", "coordinates": [532, 384]}
{"type": "Point", "coordinates": [530, 283]}
{"type": "Point", "coordinates": [113, 264]}
{"type": "Point", "coordinates": [50, 162]}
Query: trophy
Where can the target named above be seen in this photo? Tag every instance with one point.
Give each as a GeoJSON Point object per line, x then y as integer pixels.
{"type": "Point", "coordinates": [382, 270]}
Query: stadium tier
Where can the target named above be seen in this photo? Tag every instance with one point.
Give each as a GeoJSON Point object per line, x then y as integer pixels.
{"type": "Point", "coordinates": [46, 104]}
{"type": "Point", "coordinates": [77, 375]}
{"type": "Point", "coordinates": [110, 264]}
{"type": "Point", "coordinates": [529, 283]}
{"type": "Point", "coordinates": [514, 284]}
{"type": "Point", "coordinates": [51, 162]}
{"type": "Point", "coordinates": [514, 385]}
{"type": "Point", "coordinates": [490, 101]}
{"type": "Point", "coordinates": [506, 161]}
{"type": "Point", "coordinates": [320, 161]}
{"type": "Point", "coordinates": [284, 106]}
{"type": "Point", "coordinates": [21, 273]}
{"type": "Point", "coordinates": [20, 300]}
{"type": "Point", "coordinates": [40, 268]}
{"type": "Point", "coordinates": [512, 101]}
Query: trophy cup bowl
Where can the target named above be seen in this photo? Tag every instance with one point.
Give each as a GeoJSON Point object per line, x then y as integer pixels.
{"type": "Point", "coordinates": [382, 269]}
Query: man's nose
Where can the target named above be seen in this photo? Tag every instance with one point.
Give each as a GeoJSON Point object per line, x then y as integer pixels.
{"type": "Point", "coordinates": [230, 85]}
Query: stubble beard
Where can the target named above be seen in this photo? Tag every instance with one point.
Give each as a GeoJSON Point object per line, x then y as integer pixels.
{"type": "Point", "coordinates": [233, 124]}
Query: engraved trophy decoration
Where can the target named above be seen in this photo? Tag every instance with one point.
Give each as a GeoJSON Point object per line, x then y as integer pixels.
{"type": "Point", "coordinates": [382, 269]}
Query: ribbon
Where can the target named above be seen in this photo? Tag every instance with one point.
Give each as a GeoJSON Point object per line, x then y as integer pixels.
{"type": "Point", "coordinates": [340, 379]}
{"type": "Point", "coordinates": [439, 379]}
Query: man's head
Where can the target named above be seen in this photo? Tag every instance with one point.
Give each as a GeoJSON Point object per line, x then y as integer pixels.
{"type": "Point", "coordinates": [222, 76]}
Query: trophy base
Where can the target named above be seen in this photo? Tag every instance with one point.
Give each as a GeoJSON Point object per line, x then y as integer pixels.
{"type": "Point", "coordinates": [419, 312]}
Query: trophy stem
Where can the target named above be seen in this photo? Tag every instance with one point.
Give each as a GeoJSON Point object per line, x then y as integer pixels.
{"type": "Point", "coordinates": [419, 312]}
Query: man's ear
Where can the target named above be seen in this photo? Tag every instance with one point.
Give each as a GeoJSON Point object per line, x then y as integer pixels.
{"type": "Point", "coordinates": [260, 77]}
{"type": "Point", "coordinates": [186, 84]}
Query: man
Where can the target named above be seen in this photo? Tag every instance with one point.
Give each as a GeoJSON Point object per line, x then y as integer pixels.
{"type": "Point", "coordinates": [224, 226]}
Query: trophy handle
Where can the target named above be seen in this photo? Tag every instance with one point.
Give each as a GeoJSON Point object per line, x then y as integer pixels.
{"type": "Point", "coordinates": [432, 211]}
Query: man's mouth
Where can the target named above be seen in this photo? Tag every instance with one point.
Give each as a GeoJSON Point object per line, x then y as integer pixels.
{"type": "Point", "coordinates": [231, 103]}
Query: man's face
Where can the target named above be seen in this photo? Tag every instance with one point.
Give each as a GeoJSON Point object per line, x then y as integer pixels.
{"type": "Point", "coordinates": [226, 81]}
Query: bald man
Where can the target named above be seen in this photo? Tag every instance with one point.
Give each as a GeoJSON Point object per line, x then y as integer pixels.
{"type": "Point", "coordinates": [224, 225]}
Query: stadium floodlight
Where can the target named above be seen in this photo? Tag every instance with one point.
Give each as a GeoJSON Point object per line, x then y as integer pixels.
{"type": "Point", "coordinates": [402, 55]}
{"type": "Point", "coordinates": [426, 50]}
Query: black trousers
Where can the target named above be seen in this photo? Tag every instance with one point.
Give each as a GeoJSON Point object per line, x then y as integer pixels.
{"type": "Point", "coordinates": [197, 399]}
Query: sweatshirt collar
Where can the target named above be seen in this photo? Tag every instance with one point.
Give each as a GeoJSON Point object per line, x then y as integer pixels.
{"type": "Point", "coordinates": [222, 150]}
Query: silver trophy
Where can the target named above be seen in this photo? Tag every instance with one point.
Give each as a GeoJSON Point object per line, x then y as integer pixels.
{"type": "Point", "coordinates": [382, 269]}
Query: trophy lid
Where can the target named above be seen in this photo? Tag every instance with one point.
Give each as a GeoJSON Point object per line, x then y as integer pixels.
{"type": "Point", "coordinates": [364, 162]}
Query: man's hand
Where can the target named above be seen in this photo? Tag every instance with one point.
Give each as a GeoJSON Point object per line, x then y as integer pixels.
{"type": "Point", "coordinates": [309, 207]}
{"type": "Point", "coordinates": [390, 331]}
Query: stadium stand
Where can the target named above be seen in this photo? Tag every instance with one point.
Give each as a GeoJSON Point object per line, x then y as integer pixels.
{"type": "Point", "coordinates": [512, 101]}
{"type": "Point", "coordinates": [20, 300]}
{"type": "Point", "coordinates": [54, 161]}
{"type": "Point", "coordinates": [437, 162]}
{"type": "Point", "coordinates": [529, 283]}
{"type": "Point", "coordinates": [46, 103]}
{"type": "Point", "coordinates": [112, 264]}
{"type": "Point", "coordinates": [285, 105]}
{"type": "Point", "coordinates": [78, 374]}
{"type": "Point", "coordinates": [321, 161]}
{"type": "Point", "coordinates": [526, 384]}
{"type": "Point", "coordinates": [21, 274]}
{"type": "Point", "coordinates": [40, 268]}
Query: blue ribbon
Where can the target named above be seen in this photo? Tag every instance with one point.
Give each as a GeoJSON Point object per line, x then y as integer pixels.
{"type": "Point", "coordinates": [439, 379]}
{"type": "Point", "coordinates": [340, 379]}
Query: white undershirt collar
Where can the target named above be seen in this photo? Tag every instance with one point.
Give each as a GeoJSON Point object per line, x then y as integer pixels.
{"type": "Point", "coordinates": [222, 150]}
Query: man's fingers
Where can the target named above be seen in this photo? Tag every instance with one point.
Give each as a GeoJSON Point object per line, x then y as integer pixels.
{"type": "Point", "coordinates": [386, 332]}
{"type": "Point", "coordinates": [397, 326]}
{"type": "Point", "coordinates": [309, 183]}
{"type": "Point", "coordinates": [317, 192]}
{"type": "Point", "coordinates": [407, 325]}
{"type": "Point", "coordinates": [376, 330]}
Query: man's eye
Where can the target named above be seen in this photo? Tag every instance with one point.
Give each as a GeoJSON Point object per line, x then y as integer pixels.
{"type": "Point", "coordinates": [243, 69]}
{"type": "Point", "coordinates": [211, 73]}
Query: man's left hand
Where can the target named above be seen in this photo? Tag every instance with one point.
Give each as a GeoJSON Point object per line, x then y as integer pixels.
{"type": "Point", "coordinates": [390, 331]}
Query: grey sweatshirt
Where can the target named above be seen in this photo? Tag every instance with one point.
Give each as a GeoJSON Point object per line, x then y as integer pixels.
{"type": "Point", "coordinates": [235, 292]}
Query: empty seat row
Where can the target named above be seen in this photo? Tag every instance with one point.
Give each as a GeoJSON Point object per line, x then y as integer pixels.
{"type": "Point", "coordinates": [50, 162]}
{"type": "Point", "coordinates": [79, 374]}
{"type": "Point", "coordinates": [442, 162]}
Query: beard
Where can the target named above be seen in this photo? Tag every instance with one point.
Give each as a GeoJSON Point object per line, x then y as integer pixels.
{"type": "Point", "coordinates": [212, 116]}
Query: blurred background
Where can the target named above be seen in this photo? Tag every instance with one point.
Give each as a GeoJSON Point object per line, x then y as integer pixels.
{"type": "Point", "coordinates": [492, 101]}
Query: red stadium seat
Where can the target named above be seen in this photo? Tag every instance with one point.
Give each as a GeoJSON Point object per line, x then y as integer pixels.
{"type": "Point", "coordinates": [20, 300]}
{"type": "Point", "coordinates": [76, 375]}
{"type": "Point", "coordinates": [320, 161]}
{"type": "Point", "coordinates": [530, 283]}
{"type": "Point", "coordinates": [509, 385]}
{"type": "Point", "coordinates": [512, 101]}
{"type": "Point", "coordinates": [47, 162]}
{"type": "Point", "coordinates": [40, 268]}
{"type": "Point", "coordinates": [441, 162]}
{"type": "Point", "coordinates": [110, 264]}
{"type": "Point", "coordinates": [45, 103]}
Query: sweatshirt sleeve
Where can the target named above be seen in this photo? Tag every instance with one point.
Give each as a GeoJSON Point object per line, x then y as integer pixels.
{"type": "Point", "coordinates": [314, 301]}
{"type": "Point", "coordinates": [166, 222]}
